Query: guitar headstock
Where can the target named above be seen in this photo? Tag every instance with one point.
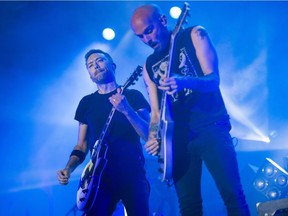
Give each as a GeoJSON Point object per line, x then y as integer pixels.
{"type": "Point", "coordinates": [182, 19]}
{"type": "Point", "coordinates": [133, 77]}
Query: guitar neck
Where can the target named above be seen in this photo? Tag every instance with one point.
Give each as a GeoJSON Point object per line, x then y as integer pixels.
{"type": "Point", "coordinates": [165, 98]}
{"type": "Point", "coordinates": [171, 56]}
{"type": "Point", "coordinates": [137, 72]}
{"type": "Point", "coordinates": [108, 122]}
{"type": "Point", "coordinates": [165, 114]}
{"type": "Point", "coordinates": [106, 126]}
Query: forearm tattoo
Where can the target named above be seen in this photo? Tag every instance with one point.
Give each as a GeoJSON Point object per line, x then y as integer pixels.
{"type": "Point", "coordinates": [154, 127]}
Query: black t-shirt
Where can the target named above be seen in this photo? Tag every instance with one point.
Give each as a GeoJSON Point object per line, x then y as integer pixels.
{"type": "Point", "coordinates": [124, 147]}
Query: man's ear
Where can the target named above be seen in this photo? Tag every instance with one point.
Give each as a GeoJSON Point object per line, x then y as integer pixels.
{"type": "Point", "coordinates": [114, 66]}
{"type": "Point", "coordinates": [163, 20]}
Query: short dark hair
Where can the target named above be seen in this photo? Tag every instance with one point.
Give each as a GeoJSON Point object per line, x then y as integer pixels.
{"type": "Point", "coordinates": [92, 51]}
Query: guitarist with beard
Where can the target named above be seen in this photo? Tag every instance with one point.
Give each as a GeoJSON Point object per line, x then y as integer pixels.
{"type": "Point", "coordinates": [200, 120]}
{"type": "Point", "coordinates": [123, 177]}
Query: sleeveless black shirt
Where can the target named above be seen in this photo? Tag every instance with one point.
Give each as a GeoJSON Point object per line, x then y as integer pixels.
{"type": "Point", "coordinates": [196, 108]}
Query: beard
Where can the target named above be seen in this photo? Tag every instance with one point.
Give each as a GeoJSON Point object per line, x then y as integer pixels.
{"type": "Point", "coordinates": [103, 78]}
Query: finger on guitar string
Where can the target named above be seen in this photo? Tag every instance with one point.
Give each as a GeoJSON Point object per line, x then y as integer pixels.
{"type": "Point", "coordinates": [112, 99]}
{"type": "Point", "coordinates": [151, 141]}
{"type": "Point", "coordinates": [118, 97]}
{"type": "Point", "coordinates": [171, 89]}
{"type": "Point", "coordinates": [152, 148]}
{"type": "Point", "coordinates": [164, 86]}
{"type": "Point", "coordinates": [169, 85]}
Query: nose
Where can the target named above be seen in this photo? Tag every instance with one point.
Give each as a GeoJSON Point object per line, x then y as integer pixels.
{"type": "Point", "coordinates": [146, 39]}
{"type": "Point", "coordinates": [96, 65]}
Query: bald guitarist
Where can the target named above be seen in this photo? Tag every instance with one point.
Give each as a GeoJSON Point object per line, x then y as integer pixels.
{"type": "Point", "coordinates": [201, 122]}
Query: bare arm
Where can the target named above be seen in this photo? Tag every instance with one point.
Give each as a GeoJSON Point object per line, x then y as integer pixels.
{"type": "Point", "coordinates": [152, 145]}
{"type": "Point", "coordinates": [74, 161]}
{"type": "Point", "coordinates": [205, 50]}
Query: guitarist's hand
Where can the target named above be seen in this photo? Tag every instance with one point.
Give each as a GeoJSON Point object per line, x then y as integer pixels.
{"type": "Point", "coordinates": [63, 176]}
{"type": "Point", "coordinates": [119, 101]}
{"type": "Point", "coordinates": [152, 146]}
{"type": "Point", "coordinates": [172, 84]}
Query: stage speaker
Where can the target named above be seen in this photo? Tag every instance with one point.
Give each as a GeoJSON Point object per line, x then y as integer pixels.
{"type": "Point", "coordinates": [273, 208]}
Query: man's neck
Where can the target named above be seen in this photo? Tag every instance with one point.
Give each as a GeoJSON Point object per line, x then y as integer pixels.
{"type": "Point", "coordinates": [107, 87]}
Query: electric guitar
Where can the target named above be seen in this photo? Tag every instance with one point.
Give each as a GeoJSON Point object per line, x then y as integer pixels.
{"type": "Point", "coordinates": [166, 123]}
{"type": "Point", "coordinates": [91, 176]}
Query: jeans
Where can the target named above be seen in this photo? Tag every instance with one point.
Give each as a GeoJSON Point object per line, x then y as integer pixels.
{"type": "Point", "coordinates": [133, 190]}
{"type": "Point", "coordinates": [213, 146]}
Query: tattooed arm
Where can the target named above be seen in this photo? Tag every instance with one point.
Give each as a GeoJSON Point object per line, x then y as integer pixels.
{"type": "Point", "coordinates": [152, 145]}
{"type": "Point", "coordinates": [205, 50]}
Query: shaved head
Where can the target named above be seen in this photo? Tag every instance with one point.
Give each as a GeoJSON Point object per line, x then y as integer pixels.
{"type": "Point", "coordinates": [150, 25]}
{"type": "Point", "coordinates": [145, 13]}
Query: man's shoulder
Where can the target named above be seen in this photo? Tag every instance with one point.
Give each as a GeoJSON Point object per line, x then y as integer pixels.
{"type": "Point", "coordinates": [88, 97]}
{"type": "Point", "coordinates": [198, 28]}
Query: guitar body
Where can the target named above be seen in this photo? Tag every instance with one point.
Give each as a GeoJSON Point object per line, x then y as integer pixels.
{"type": "Point", "coordinates": [91, 179]}
{"type": "Point", "coordinates": [166, 150]}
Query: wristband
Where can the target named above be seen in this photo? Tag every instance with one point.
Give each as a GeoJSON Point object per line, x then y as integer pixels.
{"type": "Point", "coordinates": [79, 154]}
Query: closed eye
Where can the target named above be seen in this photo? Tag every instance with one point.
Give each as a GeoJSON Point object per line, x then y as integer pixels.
{"type": "Point", "coordinates": [90, 65]}
{"type": "Point", "coordinates": [147, 31]}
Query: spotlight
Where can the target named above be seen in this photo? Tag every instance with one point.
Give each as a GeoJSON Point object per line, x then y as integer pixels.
{"type": "Point", "coordinates": [271, 180]}
{"type": "Point", "coordinates": [108, 34]}
{"type": "Point", "coordinates": [175, 12]}
{"type": "Point", "coordinates": [260, 184]}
